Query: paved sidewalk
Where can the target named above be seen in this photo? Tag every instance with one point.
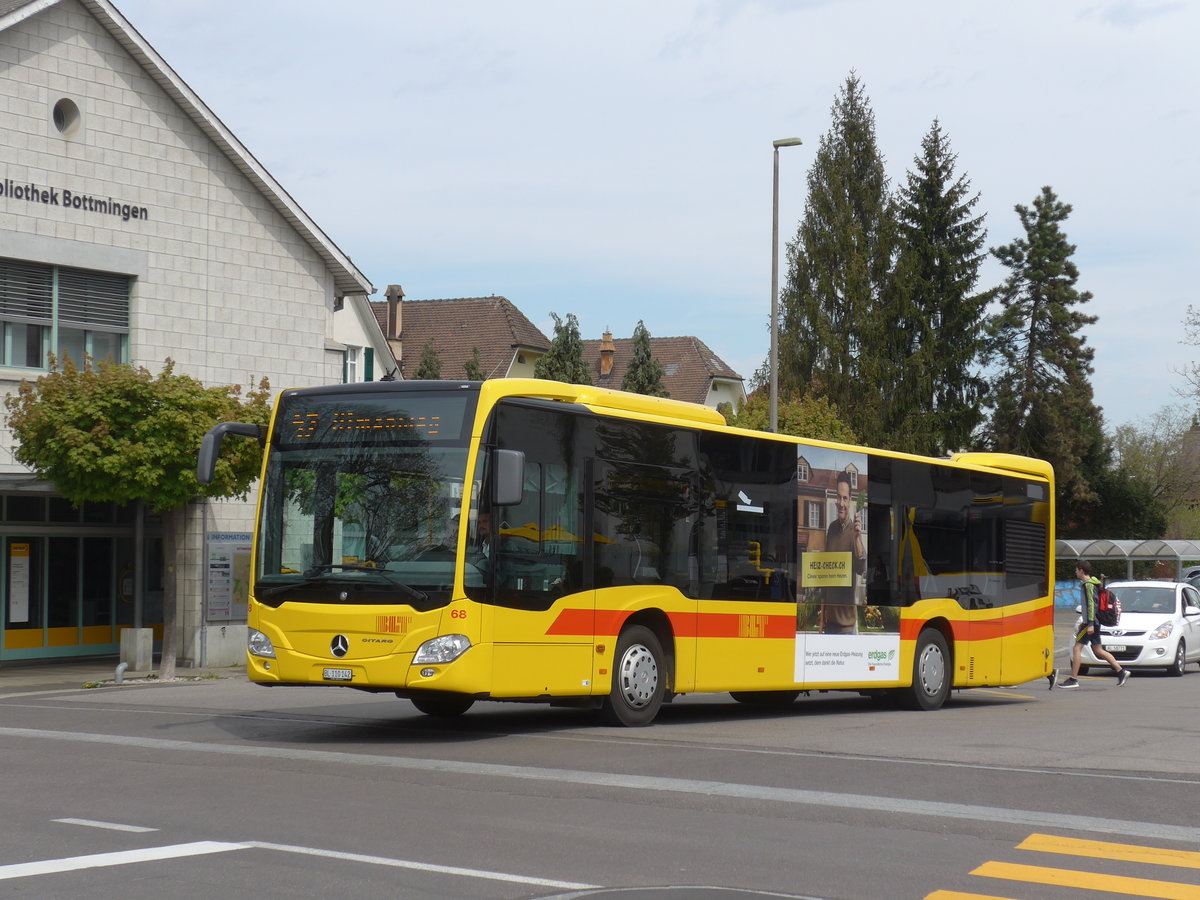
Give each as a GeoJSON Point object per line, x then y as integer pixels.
{"type": "Point", "coordinates": [78, 674]}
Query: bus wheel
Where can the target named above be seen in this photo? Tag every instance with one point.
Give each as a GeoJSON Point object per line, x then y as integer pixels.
{"type": "Point", "coordinates": [931, 672]}
{"type": "Point", "coordinates": [765, 698]}
{"type": "Point", "coordinates": [638, 680]}
{"type": "Point", "coordinates": [444, 705]}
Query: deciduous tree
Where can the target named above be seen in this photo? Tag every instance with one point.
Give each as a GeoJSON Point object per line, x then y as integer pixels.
{"type": "Point", "coordinates": [116, 433]}
{"type": "Point", "coordinates": [810, 417]}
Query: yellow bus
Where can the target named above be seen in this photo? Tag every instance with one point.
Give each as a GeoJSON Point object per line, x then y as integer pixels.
{"type": "Point", "coordinates": [526, 540]}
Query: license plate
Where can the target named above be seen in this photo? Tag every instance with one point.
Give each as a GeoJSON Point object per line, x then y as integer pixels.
{"type": "Point", "coordinates": [1115, 648]}
{"type": "Point", "coordinates": [337, 674]}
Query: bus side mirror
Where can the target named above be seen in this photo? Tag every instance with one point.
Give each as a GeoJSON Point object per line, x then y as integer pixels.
{"type": "Point", "coordinates": [210, 445]}
{"type": "Point", "coordinates": [508, 477]}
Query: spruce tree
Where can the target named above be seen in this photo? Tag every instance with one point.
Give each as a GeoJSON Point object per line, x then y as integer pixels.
{"type": "Point", "coordinates": [564, 360]}
{"type": "Point", "coordinates": [942, 326]}
{"type": "Point", "coordinates": [644, 373]}
{"type": "Point", "coordinates": [1042, 399]}
{"type": "Point", "coordinates": [838, 307]}
{"type": "Point", "coordinates": [473, 367]}
{"type": "Point", "coordinates": [430, 366]}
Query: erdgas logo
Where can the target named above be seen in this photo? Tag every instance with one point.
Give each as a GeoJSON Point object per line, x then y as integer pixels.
{"type": "Point", "coordinates": [339, 646]}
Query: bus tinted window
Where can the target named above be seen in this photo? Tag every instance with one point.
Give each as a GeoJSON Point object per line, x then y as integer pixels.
{"type": "Point", "coordinates": [749, 536]}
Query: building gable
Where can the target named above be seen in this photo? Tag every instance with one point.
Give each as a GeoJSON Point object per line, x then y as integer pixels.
{"type": "Point", "coordinates": [347, 278]}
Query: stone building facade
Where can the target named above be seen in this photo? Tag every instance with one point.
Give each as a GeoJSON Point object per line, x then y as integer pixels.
{"type": "Point", "coordinates": [135, 226]}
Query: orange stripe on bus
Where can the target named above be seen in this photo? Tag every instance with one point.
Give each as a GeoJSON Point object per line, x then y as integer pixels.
{"type": "Point", "coordinates": [987, 629]}
{"type": "Point", "coordinates": [608, 622]}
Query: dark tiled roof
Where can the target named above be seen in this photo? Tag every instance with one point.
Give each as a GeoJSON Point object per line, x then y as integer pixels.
{"type": "Point", "coordinates": [493, 324]}
{"type": "Point", "coordinates": [688, 365]}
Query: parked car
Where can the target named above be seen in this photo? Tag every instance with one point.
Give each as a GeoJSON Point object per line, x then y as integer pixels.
{"type": "Point", "coordinates": [1159, 627]}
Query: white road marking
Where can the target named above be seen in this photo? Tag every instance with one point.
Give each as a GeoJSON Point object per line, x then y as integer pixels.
{"type": "Point", "coordinates": [118, 858]}
{"type": "Point", "coordinates": [424, 867]}
{"type": "Point", "coordinates": [722, 748]}
{"type": "Point", "coordinates": [111, 826]}
{"type": "Point", "coordinates": [991, 815]}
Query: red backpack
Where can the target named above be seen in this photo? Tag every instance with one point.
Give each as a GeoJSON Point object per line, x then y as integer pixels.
{"type": "Point", "coordinates": [1108, 607]}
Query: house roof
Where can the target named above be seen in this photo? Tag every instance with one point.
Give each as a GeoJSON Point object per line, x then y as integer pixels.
{"type": "Point", "coordinates": [689, 366]}
{"type": "Point", "coordinates": [493, 324]}
{"type": "Point", "coordinates": [347, 278]}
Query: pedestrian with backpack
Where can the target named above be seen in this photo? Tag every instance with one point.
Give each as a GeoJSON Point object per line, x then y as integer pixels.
{"type": "Point", "coordinates": [1089, 631]}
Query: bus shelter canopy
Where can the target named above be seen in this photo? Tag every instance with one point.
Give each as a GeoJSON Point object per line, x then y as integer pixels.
{"type": "Point", "coordinates": [1155, 549]}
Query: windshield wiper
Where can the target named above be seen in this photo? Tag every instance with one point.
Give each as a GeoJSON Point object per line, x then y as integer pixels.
{"type": "Point", "coordinates": [313, 576]}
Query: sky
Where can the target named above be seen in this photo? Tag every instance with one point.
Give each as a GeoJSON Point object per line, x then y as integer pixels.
{"type": "Point", "coordinates": [613, 159]}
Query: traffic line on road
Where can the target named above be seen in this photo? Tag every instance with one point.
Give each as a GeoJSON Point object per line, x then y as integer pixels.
{"type": "Point", "coordinates": [425, 867]}
{"type": "Point", "coordinates": [1093, 881]}
{"type": "Point", "coordinates": [1157, 856]}
{"type": "Point", "coordinates": [117, 858]}
{"type": "Point", "coordinates": [650, 785]}
{"type": "Point", "coordinates": [198, 848]}
{"type": "Point", "coordinates": [110, 826]}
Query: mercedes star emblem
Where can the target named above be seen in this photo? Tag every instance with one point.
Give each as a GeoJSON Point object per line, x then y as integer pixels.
{"type": "Point", "coordinates": [339, 646]}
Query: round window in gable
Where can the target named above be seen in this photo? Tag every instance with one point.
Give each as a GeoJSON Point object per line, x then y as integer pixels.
{"type": "Point", "coordinates": [66, 116]}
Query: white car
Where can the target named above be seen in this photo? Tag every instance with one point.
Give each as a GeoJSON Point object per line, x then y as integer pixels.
{"type": "Point", "coordinates": [1159, 627]}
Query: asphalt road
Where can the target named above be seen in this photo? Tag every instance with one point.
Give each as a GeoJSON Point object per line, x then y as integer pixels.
{"type": "Point", "coordinates": [222, 788]}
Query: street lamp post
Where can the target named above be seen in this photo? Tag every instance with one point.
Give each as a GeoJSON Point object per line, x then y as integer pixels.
{"type": "Point", "coordinates": [782, 142]}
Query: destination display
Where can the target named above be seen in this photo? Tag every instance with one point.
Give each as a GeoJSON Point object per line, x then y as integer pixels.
{"type": "Point", "coordinates": [399, 418]}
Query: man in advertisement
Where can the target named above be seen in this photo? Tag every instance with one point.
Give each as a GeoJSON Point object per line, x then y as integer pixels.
{"type": "Point", "coordinates": [838, 609]}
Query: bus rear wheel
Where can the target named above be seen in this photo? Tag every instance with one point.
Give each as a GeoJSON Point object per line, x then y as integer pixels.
{"type": "Point", "coordinates": [931, 675]}
{"type": "Point", "coordinates": [443, 705]}
{"type": "Point", "coordinates": [639, 679]}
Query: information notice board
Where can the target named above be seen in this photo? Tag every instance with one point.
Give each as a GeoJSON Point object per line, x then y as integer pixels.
{"type": "Point", "coordinates": [227, 576]}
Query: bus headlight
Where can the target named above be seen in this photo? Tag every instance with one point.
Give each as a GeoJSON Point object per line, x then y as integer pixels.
{"type": "Point", "coordinates": [259, 644]}
{"type": "Point", "coordinates": [444, 649]}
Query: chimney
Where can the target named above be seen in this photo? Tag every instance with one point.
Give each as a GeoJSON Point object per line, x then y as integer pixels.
{"type": "Point", "coordinates": [392, 330]}
{"type": "Point", "coordinates": [607, 351]}
{"type": "Point", "coordinates": [395, 294]}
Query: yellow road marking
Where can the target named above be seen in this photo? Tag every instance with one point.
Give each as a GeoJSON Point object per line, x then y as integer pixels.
{"type": "Point", "coordinates": [1113, 884]}
{"type": "Point", "coordinates": [959, 895]}
{"type": "Point", "coordinates": [1047, 843]}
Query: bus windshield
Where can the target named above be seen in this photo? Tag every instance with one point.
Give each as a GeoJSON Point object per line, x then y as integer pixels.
{"type": "Point", "coordinates": [362, 506]}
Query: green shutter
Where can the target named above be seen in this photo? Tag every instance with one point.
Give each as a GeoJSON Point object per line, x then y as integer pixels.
{"type": "Point", "coordinates": [369, 364]}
